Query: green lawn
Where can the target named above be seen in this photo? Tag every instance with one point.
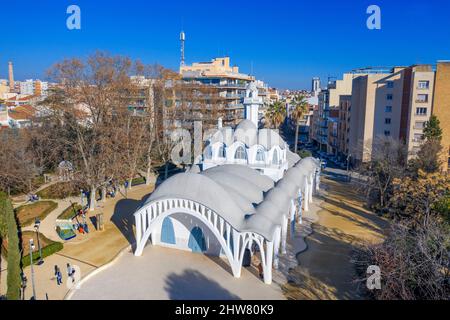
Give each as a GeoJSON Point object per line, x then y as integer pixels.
{"type": "Point", "coordinates": [70, 212]}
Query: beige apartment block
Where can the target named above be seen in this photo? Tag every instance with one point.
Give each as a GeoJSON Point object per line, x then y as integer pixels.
{"type": "Point", "coordinates": [375, 111]}
{"type": "Point", "coordinates": [395, 103]}
{"type": "Point", "coordinates": [441, 107]}
{"type": "Point", "coordinates": [418, 110]}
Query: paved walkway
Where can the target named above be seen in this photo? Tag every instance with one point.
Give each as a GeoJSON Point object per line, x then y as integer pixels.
{"type": "Point", "coordinates": [162, 273]}
{"type": "Point", "coordinates": [47, 227]}
{"type": "Point", "coordinates": [87, 251]}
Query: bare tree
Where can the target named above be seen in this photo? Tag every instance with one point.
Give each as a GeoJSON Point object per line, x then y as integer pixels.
{"type": "Point", "coordinates": [388, 162]}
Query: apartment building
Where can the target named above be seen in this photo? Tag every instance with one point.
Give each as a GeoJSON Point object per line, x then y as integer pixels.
{"type": "Point", "coordinates": [441, 107]}
{"type": "Point", "coordinates": [329, 100]}
{"type": "Point", "coordinates": [392, 102]}
{"type": "Point", "coordinates": [345, 103]}
{"type": "Point", "coordinates": [230, 83]}
{"type": "Point", "coordinates": [33, 87]}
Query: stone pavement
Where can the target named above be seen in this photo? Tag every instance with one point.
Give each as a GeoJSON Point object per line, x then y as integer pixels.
{"type": "Point", "coordinates": [162, 273]}
{"type": "Point", "coordinates": [88, 251]}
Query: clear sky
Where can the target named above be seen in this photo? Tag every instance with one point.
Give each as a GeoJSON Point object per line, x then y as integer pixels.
{"type": "Point", "coordinates": [287, 42]}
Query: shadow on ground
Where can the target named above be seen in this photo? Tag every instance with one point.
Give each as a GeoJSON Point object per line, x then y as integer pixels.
{"type": "Point", "coordinates": [192, 285]}
{"type": "Point", "coordinates": [325, 270]}
{"type": "Point", "coordinates": [123, 217]}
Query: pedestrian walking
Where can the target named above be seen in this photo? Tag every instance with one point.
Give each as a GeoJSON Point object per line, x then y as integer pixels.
{"type": "Point", "coordinates": [58, 275]}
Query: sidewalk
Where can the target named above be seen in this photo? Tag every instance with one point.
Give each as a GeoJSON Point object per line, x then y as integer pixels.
{"type": "Point", "coordinates": [97, 247]}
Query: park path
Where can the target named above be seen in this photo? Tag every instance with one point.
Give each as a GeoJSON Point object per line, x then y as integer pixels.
{"type": "Point", "coordinates": [325, 270]}
{"type": "Point", "coordinates": [89, 251]}
{"type": "Point", "coordinates": [47, 227]}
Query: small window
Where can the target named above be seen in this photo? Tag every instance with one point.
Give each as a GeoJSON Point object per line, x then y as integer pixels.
{"type": "Point", "coordinates": [421, 111]}
{"type": "Point", "coordinates": [260, 156]}
{"type": "Point", "coordinates": [275, 159]}
{"type": "Point", "coordinates": [222, 152]}
{"type": "Point", "coordinates": [240, 154]}
{"type": "Point", "coordinates": [390, 96]}
{"type": "Point", "coordinates": [419, 125]}
{"type": "Point", "coordinates": [208, 153]}
{"type": "Point", "coordinates": [418, 137]}
{"type": "Point", "coordinates": [390, 84]}
{"type": "Point", "coordinates": [422, 98]}
{"type": "Point", "coordinates": [387, 133]}
{"type": "Point", "coordinates": [387, 120]}
{"type": "Point", "coordinates": [423, 84]}
{"type": "Point", "coordinates": [388, 109]}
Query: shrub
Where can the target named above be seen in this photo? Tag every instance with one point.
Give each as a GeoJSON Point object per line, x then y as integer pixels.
{"type": "Point", "coordinates": [70, 212]}
{"type": "Point", "coordinates": [46, 251]}
{"type": "Point", "coordinates": [304, 154]}
{"type": "Point", "coordinates": [13, 275]}
{"type": "Point", "coordinates": [413, 261]}
{"type": "Point", "coordinates": [137, 181]}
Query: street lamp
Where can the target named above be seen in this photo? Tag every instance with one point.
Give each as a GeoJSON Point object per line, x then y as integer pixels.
{"type": "Point", "coordinates": [348, 165]}
{"type": "Point", "coordinates": [82, 198]}
{"type": "Point", "coordinates": [32, 270]}
{"type": "Point", "coordinates": [37, 223]}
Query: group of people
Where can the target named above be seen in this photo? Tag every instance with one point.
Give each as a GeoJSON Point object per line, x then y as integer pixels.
{"type": "Point", "coordinates": [33, 197]}
{"type": "Point", "coordinates": [82, 226]}
{"type": "Point", "coordinates": [70, 274]}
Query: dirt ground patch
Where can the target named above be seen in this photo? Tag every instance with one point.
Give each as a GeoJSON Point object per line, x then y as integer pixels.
{"type": "Point", "coordinates": [26, 215]}
{"type": "Point", "coordinates": [325, 270]}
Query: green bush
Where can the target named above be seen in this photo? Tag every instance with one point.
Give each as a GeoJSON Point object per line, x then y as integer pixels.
{"type": "Point", "coordinates": [46, 251]}
{"type": "Point", "coordinates": [70, 212]}
{"type": "Point", "coordinates": [13, 276]}
{"type": "Point", "coordinates": [304, 154]}
{"type": "Point", "coordinates": [137, 181]}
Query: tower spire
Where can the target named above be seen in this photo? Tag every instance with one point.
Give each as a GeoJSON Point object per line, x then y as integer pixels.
{"type": "Point", "coordinates": [11, 76]}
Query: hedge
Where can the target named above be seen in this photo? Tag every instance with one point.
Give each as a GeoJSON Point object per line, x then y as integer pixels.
{"type": "Point", "coordinates": [69, 213]}
{"type": "Point", "coordinates": [137, 181]}
{"type": "Point", "coordinates": [46, 251]}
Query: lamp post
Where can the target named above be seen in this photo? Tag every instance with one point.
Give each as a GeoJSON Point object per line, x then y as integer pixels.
{"type": "Point", "coordinates": [348, 165]}
{"type": "Point", "coordinates": [32, 270]}
{"type": "Point", "coordinates": [82, 198]}
{"type": "Point", "coordinates": [37, 223]}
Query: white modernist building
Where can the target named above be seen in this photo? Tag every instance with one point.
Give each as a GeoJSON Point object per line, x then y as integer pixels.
{"type": "Point", "coordinates": [247, 191]}
{"type": "Point", "coordinates": [261, 149]}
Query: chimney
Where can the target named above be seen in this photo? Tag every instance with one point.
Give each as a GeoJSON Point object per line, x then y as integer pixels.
{"type": "Point", "coordinates": [11, 76]}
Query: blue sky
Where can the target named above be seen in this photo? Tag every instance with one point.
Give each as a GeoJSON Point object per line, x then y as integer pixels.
{"type": "Point", "coordinates": [287, 42]}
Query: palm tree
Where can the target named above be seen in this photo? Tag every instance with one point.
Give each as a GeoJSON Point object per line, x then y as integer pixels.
{"type": "Point", "coordinates": [300, 109]}
{"type": "Point", "coordinates": [275, 114]}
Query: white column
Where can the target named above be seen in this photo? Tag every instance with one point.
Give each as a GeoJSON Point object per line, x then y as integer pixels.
{"type": "Point", "coordinates": [267, 265]}
{"type": "Point", "coordinates": [138, 230]}
{"type": "Point", "coordinates": [305, 197]}
{"type": "Point", "coordinates": [311, 190]}
{"type": "Point", "coordinates": [284, 234]}
{"type": "Point", "coordinates": [236, 256]}
{"type": "Point", "coordinates": [276, 247]}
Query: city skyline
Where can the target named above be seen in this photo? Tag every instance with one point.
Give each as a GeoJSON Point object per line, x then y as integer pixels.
{"type": "Point", "coordinates": [266, 39]}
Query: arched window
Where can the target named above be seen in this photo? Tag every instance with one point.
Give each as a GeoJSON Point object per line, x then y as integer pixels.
{"type": "Point", "coordinates": [260, 156]}
{"type": "Point", "coordinates": [222, 152]}
{"type": "Point", "coordinates": [275, 157]}
{"type": "Point", "coordinates": [240, 153]}
{"type": "Point", "coordinates": [208, 153]}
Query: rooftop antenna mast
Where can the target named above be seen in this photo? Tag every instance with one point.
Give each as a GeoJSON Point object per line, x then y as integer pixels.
{"type": "Point", "coordinates": [182, 40]}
